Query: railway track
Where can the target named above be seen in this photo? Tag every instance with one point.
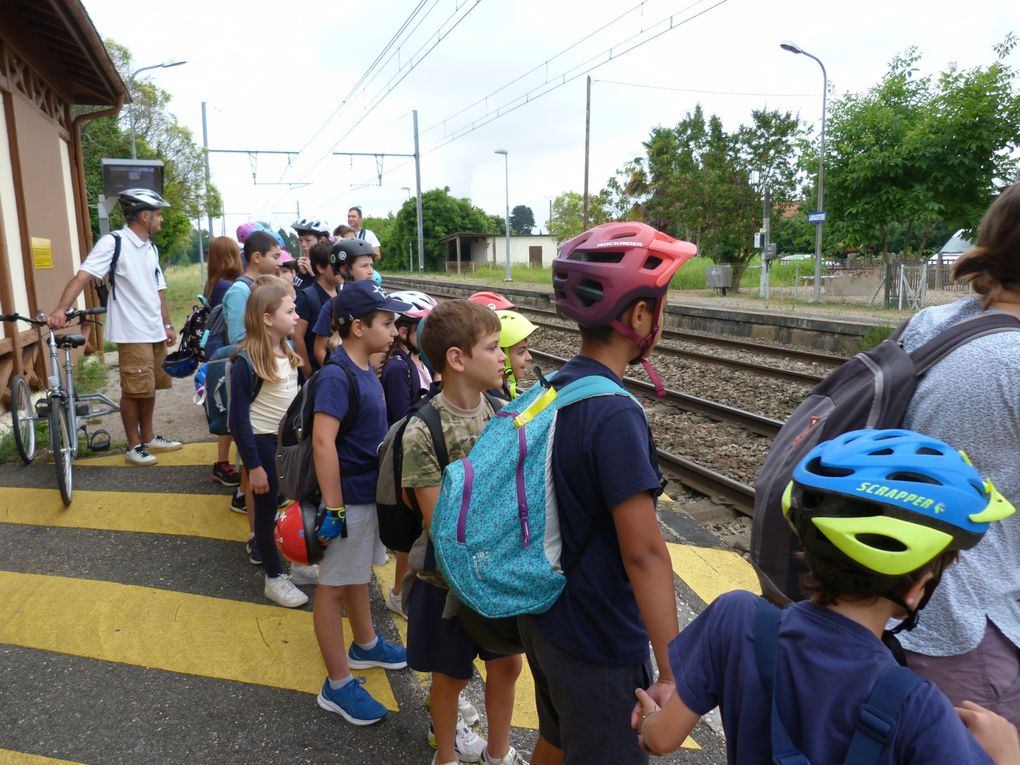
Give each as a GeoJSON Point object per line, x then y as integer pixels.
{"type": "Point", "coordinates": [692, 474]}
{"type": "Point", "coordinates": [778, 373]}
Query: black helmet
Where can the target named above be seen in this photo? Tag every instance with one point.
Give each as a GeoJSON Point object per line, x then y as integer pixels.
{"type": "Point", "coordinates": [345, 251]}
{"type": "Point", "coordinates": [133, 201]}
{"type": "Point", "coordinates": [182, 363]}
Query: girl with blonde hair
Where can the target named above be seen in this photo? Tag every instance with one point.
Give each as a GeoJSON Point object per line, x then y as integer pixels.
{"type": "Point", "coordinates": [263, 382]}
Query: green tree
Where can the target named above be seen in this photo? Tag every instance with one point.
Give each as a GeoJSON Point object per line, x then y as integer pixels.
{"type": "Point", "coordinates": [158, 136]}
{"type": "Point", "coordinates": [916, 154]}
{"type": "Point", "coordinates": [568, 214]}
{"type": "Point", "coordinates": [442, 215]}
{"type": "Point", "coordinates": [522, 220]}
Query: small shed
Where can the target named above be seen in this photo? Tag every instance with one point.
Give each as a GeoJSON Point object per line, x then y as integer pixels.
{"type": "Point", "coordinates": [51, 59]}
{"type": "Point", "coordinates": [466, 250]}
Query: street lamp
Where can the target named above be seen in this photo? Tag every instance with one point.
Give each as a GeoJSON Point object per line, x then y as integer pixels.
{"type": "Point", "coordinates": [131, 109]}
{"type": "Point", "coordinates": [793, 48]}
{"type": "Point", "coordinates": [506, 173]}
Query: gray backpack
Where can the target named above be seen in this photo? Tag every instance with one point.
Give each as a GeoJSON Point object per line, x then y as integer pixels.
{"type": "Point", "coordinates": [871, 390]}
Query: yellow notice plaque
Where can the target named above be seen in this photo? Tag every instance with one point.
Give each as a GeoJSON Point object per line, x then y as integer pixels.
{"type": "Point", "coordinates": [42, 253]}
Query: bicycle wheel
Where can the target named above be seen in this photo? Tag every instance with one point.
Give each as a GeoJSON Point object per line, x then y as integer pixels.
{"type": "Point", "coordinates": [22, 418]}
{"type": "Point", "coordinates": [60, 445]}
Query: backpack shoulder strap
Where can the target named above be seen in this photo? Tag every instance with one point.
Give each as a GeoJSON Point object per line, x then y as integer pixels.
{"type": "Point", "coordinates": [495, 401]}
{"type": "Point", "coordinates": [353, 397]}
{"type": "Point", "coordinates": [113, 265]}
{"type": "Point", "coordinates": [245, 280]}
{"type": "Point", "coordinates": [878, 716]}
{"type": "Point", "coordinates": [951, 338]}
{"type": "Point", "coordinates": [587, 387]}
{"type": "Point", "coordinates": [254, 381]}
{"type": "Point", "coordinates": [430, 416]}
{"type": "Point", "coordinates": [767, 619]}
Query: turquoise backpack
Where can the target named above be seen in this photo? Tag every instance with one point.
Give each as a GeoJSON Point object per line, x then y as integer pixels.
{"type": "Point", "coordinates": [495, 529]}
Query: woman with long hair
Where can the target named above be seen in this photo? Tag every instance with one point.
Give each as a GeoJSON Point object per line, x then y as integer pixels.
{"type": "Point", "coordinates": [263, 382]}
{"type": "Point", "coordinates": [968, 640]}
{"type": "Point", "coordinates": [223, 265]}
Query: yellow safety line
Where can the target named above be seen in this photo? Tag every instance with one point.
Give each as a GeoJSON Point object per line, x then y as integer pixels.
{"type": "Point", "coordinates": [177, 632]}
{"type": "Point", "coordinates": [11, 757]}
{"type": "Point", "coordinates": [203, 453]}
{"type": "Point", "coordinates": [712, 571]}
{"type": "Point", "coordinates": [197, 515]}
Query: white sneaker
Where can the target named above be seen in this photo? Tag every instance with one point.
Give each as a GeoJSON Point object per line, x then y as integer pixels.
{"type": "Point", "coordinates": [304, 574]}
{"type": "Point", "coordinates": [393, 603]}
{"type": "Point", "coordinates": [139, 455]}
{"type": "Point", "coordinates": [467, 710]}
{"type": "Point", "coordinates": [280, 590]}
{"type": "Point", "coordinates": [511, 758]}
{"type": "Point", "coordinates": [468, 744]}
{"type": "Point", "coordinates": [160, 444]}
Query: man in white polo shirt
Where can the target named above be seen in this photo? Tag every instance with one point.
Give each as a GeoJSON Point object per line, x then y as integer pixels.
{"type": "Point", "coordinates": [137, 318]}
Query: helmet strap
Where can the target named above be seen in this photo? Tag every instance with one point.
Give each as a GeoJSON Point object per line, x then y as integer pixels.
{"type": "Point", "coordinates": [644, 345]}
{"type": "Point", "coordinates": [914, 613]}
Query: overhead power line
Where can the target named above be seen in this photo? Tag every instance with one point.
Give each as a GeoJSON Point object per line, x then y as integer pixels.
{"type": "Point", "coordinates": [706, 92]}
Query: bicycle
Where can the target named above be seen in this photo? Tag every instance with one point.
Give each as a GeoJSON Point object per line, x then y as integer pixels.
{"type": "Point", "coordinates": [63, 407]}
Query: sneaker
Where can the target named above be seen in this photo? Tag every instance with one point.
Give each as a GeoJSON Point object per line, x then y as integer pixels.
{"type": "Point", "coordinates": [384, 655]}
{"type": "Point", "coordinates": [352, 702]}
{"type": "Point", "coordinates": [467, 710]}
{"type": "Point", "coordinates": [226, 474]}
{"type": "Point", "coordinates": [304, 574]}
{"type": "Point", "coordinates": [511, 758]}
{"type": "Point", "coordinates": [468, 744]}
{"type": "Point", "coordinates": [280, 590]}
{"type": "Point", "coordinates": [393, 603]}
{"type": "Point", "coordinates": [160, 444]}
{"type": "Point", "coordinates": [139, 455]}
{"type": "Point", "coordinates": [237, 503]}
{"type": "Point", "coordinates": [254, 554]}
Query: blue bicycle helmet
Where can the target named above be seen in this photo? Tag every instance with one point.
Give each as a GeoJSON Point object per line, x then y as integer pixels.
{"type": "Point", "coordinates": [890, 500]}
{"type": "Point", "coordinates": [180, 363]}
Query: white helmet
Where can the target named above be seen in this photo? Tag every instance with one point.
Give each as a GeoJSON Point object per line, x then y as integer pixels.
{"type": "Point", "coordinates": [138, 200]}
{"type": "Point", "coordinates": [422, 303]}
{"type": "Point", "coordinates": [314, 225]}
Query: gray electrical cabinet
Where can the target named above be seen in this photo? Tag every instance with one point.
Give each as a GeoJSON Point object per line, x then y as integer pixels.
{"type": "Point", "coordinates": [719, 277]}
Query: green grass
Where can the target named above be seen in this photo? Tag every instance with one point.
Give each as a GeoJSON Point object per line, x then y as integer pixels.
{"type": "Point", "coordinates": [183, 283]}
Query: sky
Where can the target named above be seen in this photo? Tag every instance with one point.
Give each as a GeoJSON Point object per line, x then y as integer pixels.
{"type": "Point", "coordinates": [490, 74]}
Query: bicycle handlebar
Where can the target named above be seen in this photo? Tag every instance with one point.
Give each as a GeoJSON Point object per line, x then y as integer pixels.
{"type": "Point", "coordinates": [72, 313]}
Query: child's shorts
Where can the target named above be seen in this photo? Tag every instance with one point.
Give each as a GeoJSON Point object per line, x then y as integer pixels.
{"type": "Point", "coordinates": [349, 561]}
{"type": "Point", "coordinates": [435, 644]}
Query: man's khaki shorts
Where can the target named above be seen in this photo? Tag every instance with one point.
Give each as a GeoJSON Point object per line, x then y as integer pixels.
{"type": "Point", "coordinates": [141, 369]}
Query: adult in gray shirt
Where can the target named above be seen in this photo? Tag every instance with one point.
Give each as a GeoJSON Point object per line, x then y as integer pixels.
{"type": "Point", "coordinates": [968, 638]}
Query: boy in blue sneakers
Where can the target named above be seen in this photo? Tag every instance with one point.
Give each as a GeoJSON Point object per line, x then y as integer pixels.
{"type": "Point", "coordinates": [880, 514]}
{"type": "Point", "coordinates": [462, 340]}
{"type": "Point", "coordinates": [347, 467]}
{"type": "Point", "coordinates": [590, 649]}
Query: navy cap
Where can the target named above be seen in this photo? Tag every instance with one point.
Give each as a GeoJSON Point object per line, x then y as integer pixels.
{"type": "Point", "coordinates": [356, 300]}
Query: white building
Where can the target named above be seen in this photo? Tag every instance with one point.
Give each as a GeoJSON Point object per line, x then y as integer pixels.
{"type": "Point", "coordinates": [466, 250]}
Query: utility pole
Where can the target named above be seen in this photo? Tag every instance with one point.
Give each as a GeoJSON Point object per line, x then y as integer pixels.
{"type": "Point", "coordinates": [417, 180]}
{"type": "Point", "coordinates": [205, 145]}
{"type": "Point", "coordinates": [766, 231]}
{"type": "Point", "coordinates": [587, 145]}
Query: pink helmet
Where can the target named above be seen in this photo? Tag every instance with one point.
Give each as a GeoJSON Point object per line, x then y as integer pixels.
{"type": "Point", "coordinates": [599, 273]}
{"type": "Point", "coordinates": [492, 300]}
{"type": "Point", "coordinates": [285, 257]}
{"type": "Point", "coordinates": [244, 229]}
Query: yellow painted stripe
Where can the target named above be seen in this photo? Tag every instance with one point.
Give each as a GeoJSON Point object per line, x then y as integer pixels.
{"type": "Point", "coordinates": [10, 757]}
{"type": "Point", "coordinates": [712, 571]}
{"type": "Point", "coordinates": [198, 515]}
{"type": "Point", "coordinates": [524, 715]}
{"type": "Point", "coordinates": [172, 631]}
{"type": "Point", "coordinates": [203, 453]}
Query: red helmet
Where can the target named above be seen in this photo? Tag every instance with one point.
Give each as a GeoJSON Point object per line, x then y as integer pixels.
{"type": "Point", "coordinates": [295, 533]}
{"type": "Point", "coordinates": [492, 300]}
{"type": "Point", "coordinates": [599, 273]}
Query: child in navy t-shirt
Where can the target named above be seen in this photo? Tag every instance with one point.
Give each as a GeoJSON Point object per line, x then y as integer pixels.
{"type": "Point", "coordinates": [830, 653]}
